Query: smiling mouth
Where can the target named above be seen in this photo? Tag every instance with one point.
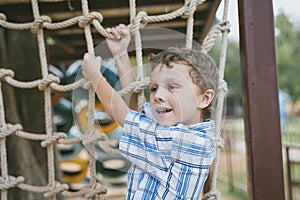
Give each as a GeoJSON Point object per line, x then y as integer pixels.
{"type": "Point", "coordinates": [163, 110]}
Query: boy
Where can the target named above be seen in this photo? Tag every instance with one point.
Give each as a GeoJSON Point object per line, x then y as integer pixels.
{"type": "Point", "coordinates": [171, 143]}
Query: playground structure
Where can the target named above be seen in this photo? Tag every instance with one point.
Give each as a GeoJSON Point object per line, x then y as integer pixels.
{"type": "Point", "coordinates": [91, 135]}
{"type": "Point", "coordinates": [256, 131]}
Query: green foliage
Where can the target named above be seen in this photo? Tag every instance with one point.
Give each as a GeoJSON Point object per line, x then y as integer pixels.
{"type": "Point", "coordinates": [232, 75]}
{"type": "Point", "coordinates": [288, 55]}
{"type": "Point", "coordinates": [288, 61]}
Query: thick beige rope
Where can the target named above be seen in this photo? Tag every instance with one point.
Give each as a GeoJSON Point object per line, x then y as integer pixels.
{"type": "Point", "coordinates": [214, 194]}
{"type": "Point", "coordinates": [4, 170]}
{"type": "Point", "coordinates": [191, 5]}
{"type": "Point", "coordinates": [138, 50]}
{"type": "Point", "coordinates": [47, 97]}
{"type": "Point", "coordinates": [91, 103]}
{"type": "Point", "coordinates": [138, 20]}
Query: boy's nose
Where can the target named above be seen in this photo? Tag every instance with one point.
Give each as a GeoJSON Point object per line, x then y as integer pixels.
{"type": "Point", "coordinates": [160, 94]}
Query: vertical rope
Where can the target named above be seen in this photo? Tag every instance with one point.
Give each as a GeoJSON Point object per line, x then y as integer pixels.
{"type": "Point", "coordinates": [91, 105]}
{"type": "Point", "coordinates": [139, 54]}
{"type": "Point", "coordinates": [190, 25]}
{"type": "Point", "coordinates": [47, 97]}
{"type": "Point", "coordinates": [4, 170]}
{"type": "Point", "coordinates": [221, 96]}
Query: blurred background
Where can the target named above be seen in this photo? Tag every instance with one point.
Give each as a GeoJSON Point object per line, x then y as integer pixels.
{"type": "Point", "coordinates": [232, 169]}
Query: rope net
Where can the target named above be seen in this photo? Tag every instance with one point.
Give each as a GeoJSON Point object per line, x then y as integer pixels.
{"type": "Point", "coordinates": [50, 82]}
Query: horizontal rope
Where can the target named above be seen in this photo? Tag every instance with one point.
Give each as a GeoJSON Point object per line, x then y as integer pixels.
{"type": "Point", "coordinates": [50, 191]}
{"type": "Point", "coordinates": [96, 18]}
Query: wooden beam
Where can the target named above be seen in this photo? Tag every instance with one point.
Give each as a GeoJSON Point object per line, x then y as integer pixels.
{"type": "Point", "coordinates": [211, 13]}
{"type": "Point", "coordinates": [171, 25]}
{"type": "Point", "coordinates": [118, 11]}
{"type": "Point", "coordinates": [261, 102]}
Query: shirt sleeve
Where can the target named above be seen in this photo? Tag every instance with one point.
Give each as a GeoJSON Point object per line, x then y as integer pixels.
{"type": "Point", "coordinates": [144, 143]}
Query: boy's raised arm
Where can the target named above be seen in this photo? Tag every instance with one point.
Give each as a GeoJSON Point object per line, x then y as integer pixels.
{"type": "Point", "coordinates": [119, 48]}
{"type": "Point", "coordinates": [113, 103]}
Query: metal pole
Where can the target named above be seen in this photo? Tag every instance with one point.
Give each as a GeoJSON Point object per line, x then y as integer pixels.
{"type": "Point", "coordinates": [260, 98]}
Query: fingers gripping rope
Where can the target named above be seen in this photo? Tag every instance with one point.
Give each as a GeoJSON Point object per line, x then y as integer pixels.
{"type": "Point", "coordinates": [9, 129]}
{"type": "Point", "coordinates": [11, 182]}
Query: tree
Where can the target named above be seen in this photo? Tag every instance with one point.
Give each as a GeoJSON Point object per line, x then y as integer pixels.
{"type": "Point", "coordinates": [288, 55]}
{"type": "Point", "coordinates": [232, 76]}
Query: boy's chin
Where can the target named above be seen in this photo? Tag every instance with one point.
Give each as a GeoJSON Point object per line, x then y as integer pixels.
{"type": "Point", "coordinates": [167, 123]}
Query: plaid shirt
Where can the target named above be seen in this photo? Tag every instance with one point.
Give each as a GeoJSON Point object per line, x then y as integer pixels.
{"type": "Point", "coordinates": [168, 162]}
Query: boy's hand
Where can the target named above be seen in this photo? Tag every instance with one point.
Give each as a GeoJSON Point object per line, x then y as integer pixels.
{"type": "Point", "coordinates": [118, 46]}
{"type": "Point", "coordinates": [91, 69]}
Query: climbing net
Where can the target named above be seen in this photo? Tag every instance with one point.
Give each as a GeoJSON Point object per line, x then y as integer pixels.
{"type": "Point", "coordinates": [50, 82]}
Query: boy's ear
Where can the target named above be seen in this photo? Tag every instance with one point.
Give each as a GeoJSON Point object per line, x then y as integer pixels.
{"type": "Point", "coordinates": [205, 98]}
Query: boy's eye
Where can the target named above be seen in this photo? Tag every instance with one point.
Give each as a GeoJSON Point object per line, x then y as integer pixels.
{"type": "Point", "coordinates": [153, 89]}
{"type": "Point", "coordinates": [172, 87]}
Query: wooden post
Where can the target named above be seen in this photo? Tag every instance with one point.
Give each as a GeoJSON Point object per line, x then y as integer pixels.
{"type": "Point", "coordinates": [260, 97]}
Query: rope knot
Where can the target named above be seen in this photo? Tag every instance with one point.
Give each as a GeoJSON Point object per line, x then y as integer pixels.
{"type": "Point", "coordinates": [6, 72]}
{"type": "Point", "coordinates": [3, 17]}
{"type": "Point", "coordinates": [198, 2]}
{"type": "Point", "coordinates": [225, 26]}
{"type": "Point", "coordinates": [220, 141]}
{"type": "Point", "coordinates": [93, 136]}
{"type": "Point", "coordinates": [54, 138]}
{"type": "Point", "coordinates": [190, 6]}
{"type": "Point", "coordinates": [140, 19]}
{"type": "Point", "coordinates": [213, 194]}
{"type": "Point", "coordinates": [143, 84]}
{"type": "Point", "coordinates": [47, 81]}
{"type": "Point", "coordinates": [88, 19]}
{"type": "Point", "coordinates": [9, 129]}
{"type": "Point", "coordinates": [11, 182]}
{"type": "Point", "coordinates": [138, 22]}
{"type": "Point", "coordinates": [38, 23]}
{"type": "Point", "coordinates": [96, 189]}
{"type": "Point", "coordinates": [223, 86]}
{"type": "Point", "coordinates": [56, 189]}
{"type": "Point", "coordinates": [87, 85]}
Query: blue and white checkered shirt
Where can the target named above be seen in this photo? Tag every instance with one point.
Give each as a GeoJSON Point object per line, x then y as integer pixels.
{"type": "Point", "coordinates": [168, 162]}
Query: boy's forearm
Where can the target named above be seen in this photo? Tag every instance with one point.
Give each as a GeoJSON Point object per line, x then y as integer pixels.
{"type": "Point", "coordinates": [113, 103]}
{"type": "Point", "coordinates": [127, 76]}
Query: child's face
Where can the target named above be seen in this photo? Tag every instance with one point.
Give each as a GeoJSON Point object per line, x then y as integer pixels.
{"type": "Point", "coordinates": [174, 97]}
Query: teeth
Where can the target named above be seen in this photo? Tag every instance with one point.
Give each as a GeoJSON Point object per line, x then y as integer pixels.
{"type": "Point", "coordinates": [163, 110]}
